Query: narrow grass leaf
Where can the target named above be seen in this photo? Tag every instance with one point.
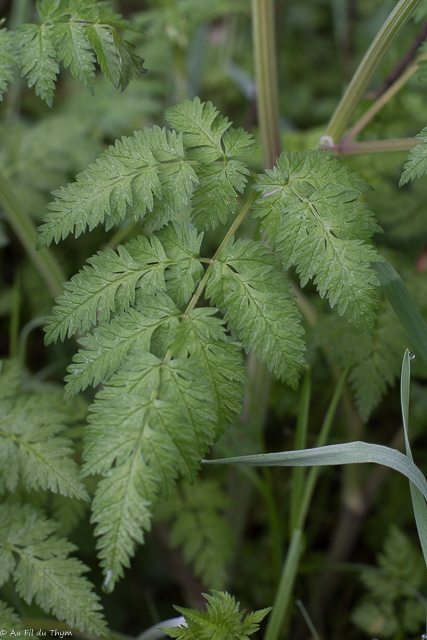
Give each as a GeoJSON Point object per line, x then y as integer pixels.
{"type": "Point", "coordinates": [336, 454]}
{"type": "Point", "coordinates": [418, 502]}
{"type": "Point", "coordinates": [404, 307]}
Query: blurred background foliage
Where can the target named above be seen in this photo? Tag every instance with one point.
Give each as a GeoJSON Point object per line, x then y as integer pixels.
{"type": "Point", "coordinates": [228, 530]}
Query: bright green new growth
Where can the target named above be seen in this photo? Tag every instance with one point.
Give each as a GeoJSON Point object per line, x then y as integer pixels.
{"type": "Point", "coordinates": [72, 32]}
{"type": "Point", "coordinates": [222, 619]}
{"type": "Point", "coordinates": [416, 163]}
{"type": "Point", "coordinates": [311, 215]}
{"type": "Point", "coordinates": [35, 455]}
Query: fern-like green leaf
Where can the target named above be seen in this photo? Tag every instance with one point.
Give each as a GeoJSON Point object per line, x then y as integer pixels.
{"type": "Point", "coordinates": [10, 622]}
{"type": "Point", "coordinates": [31, 447]}
{"type": "Point", "coordinates": [153, 420]}
{"type": "Point", "coordinates": [38, 58]}
{"type": "Point", "coordinates": [200, 529]}
{"type": "Point", "coordinates": [216, 196]}
{"type": "Point", "coordinates": [74, 50]}
{"type": "Point", "coordinates": [204, 337]}
{"type": "Point", "coordinates": [392, 599]}
{"type": "Point", "coordinates": [202, 126]}
{"type": "Point", "coordinates": [111, 281]}
{"type": "Point", "coordinates": [123, 183]}
{"type": "Point", "coordinates": [39, 562]}
{"type": "Point", "coordinates": [151, 176]}
{"type": "Point", "coordinates": [107, 285]}
{"type": "Point", "coordinates": [106, 349]}
{"type": "Point", "coordinates": [376, 358]}
{"type": "Point", "coordinates": [182, 246]}
{"type": "Point", "coordinates": [222, 619]}
{"type": "Point", "coordinates": [416, 163]}
{"type": "Point", "coordinates": [250, 288]}
{"type": "Point", "coordinates": [7, 60]}
{"type": "Point", "coordinates": [310, 214]}
{"type": "Point", "coordinates": [209, 138]}
{"type": "Point", "coordinates": [101, 37]}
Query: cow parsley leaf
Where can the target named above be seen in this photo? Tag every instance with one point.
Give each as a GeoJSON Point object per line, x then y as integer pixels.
{"type": "Point", "coordinates": [32, 447]}
{"type": "Point", "coordinates": [7, 60]}
{"type": "Point", "coordinates": [416, 163]}
{"type": "Point", "coordinates": [222, 619]}
{"type": "Point", "coordinates": [311, 215]}
{"type": "Point", "coordinates": [39, 562]}
{"type": "Point", "coordinates": [250, 288]}
{"type": "Point", "coordinates": [152, 421]}
{"type": "Point", "coordinates": [200, 529]}
{"type": "Point", "coordinates": [204, 337]}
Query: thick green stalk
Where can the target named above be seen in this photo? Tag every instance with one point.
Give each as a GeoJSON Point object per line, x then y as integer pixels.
{"type": "Point", "coordinates": [44, 261]}
{"type": "Point", "coordinates": [264, 43]}
{"type": "Point", "coordinates": [372, 59]}
{"type": "Point", "coordinates": [384, 99]}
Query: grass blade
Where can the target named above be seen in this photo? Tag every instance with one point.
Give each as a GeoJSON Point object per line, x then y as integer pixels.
{"type": "Point", "coordinates": [403, 305]}
{"type": "Point", "coordinates": [418, 502]}
{"type": "Point", "coordinates": [336, 454]}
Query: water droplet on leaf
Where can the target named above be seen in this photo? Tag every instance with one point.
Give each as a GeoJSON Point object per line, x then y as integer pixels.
{"type": "Point", "coordinates": [108, 584]}
{"type": "Point", "coordinates": [412, 357]}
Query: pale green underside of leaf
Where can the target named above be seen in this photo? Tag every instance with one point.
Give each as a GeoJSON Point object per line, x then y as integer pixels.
{"type": "Point", "coordinates": [416, 162]}
{"type": "Point", "coordinates": [39, 563]}
{"type": "Point", "coordinates": [152, 421]}
{"type": "Point", "coordinates": [311, 217]}
{"type": "Point", "coordinates": [110, 283]}
{"type": "Point", "coordinates": [222, 619]}
{"type": "Point", "coordinates": [7, 60]}
{"type": "Point", "coordinates": [250, 288]}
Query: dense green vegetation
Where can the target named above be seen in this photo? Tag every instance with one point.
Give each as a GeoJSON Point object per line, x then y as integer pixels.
{"type": "Point", "coordinates": [247, 273]}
